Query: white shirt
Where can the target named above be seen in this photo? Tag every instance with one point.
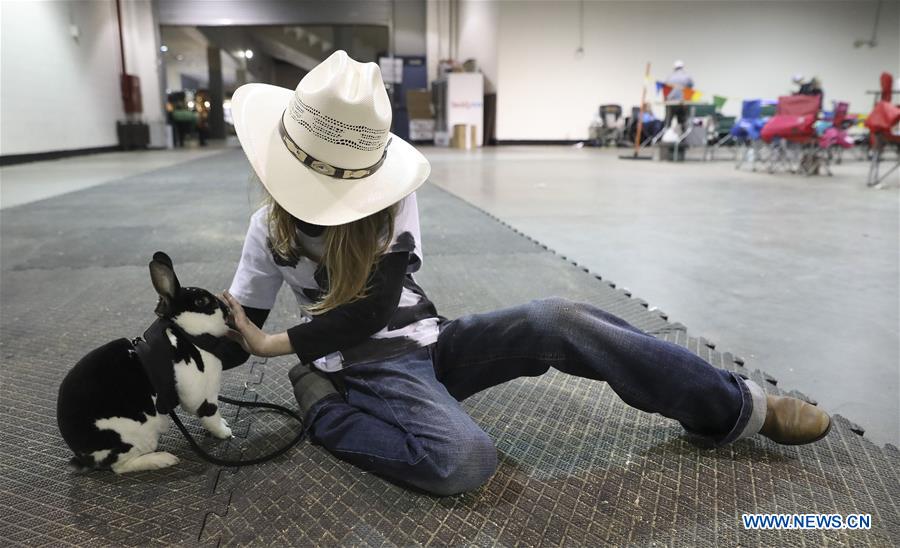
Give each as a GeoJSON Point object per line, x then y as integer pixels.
{"type": "Point", "coordinates": [261, 274]}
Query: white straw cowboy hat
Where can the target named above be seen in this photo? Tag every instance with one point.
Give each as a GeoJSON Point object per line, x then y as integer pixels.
{"type": "Point", "coordinates": [324, 151]}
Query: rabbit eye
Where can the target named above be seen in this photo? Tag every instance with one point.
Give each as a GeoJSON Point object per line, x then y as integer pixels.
{"type": "Point", "coordinates": [202, 301]}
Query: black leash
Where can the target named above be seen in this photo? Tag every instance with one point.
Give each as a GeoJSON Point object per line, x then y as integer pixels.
{"type": "Point", "coordinates": [244, 462]}
{"type": "Point", "coordinates": [154, 350]}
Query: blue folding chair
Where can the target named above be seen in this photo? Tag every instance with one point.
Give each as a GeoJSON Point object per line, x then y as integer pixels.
{"type": "Point", "coordinates": [746, 133]}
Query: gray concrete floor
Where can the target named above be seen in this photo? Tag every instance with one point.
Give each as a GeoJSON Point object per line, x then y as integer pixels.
{"type": "Point", "coordinates": [798, 275]}
{"type": "Point", "coordinates": [26, 183]}
{"type": "Point", "coordinates": [752, 261]}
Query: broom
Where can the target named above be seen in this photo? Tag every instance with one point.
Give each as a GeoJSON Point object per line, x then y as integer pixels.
{"type": "Point", "coordinates": [637, 137]}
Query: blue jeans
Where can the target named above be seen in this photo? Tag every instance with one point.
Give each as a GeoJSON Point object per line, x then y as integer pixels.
{"type": "Point", "coordinates": [401, 418]}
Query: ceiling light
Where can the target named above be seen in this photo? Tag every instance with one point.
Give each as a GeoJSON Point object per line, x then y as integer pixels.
{"type": "Point", "coordinates": [206, 104]}
{"type": "Point", "coordinates": [179, 57]}
{"type": "Point", "coordinates": [248, 54]}
{"type": "Point", "coordinates": [190, 104]}
{"type": "Point", "coordinates": [163, 48]}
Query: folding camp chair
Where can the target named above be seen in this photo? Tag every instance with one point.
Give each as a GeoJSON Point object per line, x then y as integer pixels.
{"type": "Point", "coordinates": [791, 137]}
{"type": "Point", "coordinates": [835, 137]}
{"type": "Point", "coordinates": [650, 131]}
{"type": "Point", "coordinates": [745, 133]}
{"type": "Point", "coordinates": [722, 135]}
{"type": "Point", "coordinates": [608, 132]}
{"type": "Point", "coordinates": [882, 138]}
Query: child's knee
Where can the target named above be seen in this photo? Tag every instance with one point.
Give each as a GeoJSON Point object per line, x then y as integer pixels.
{"type": "Point", "coordinates": [466, 466]}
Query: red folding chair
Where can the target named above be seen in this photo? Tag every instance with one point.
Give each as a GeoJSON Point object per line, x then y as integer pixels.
{"type": "Point", "coordinates": [791, 134]}
{"type": "Point", "coordinates": [882, 137]}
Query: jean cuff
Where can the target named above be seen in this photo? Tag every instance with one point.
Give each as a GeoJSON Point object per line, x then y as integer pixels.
{"type": "Point", "coordinates": [750, 420]}
{"type": "Point", "coordinates": [758, 413]}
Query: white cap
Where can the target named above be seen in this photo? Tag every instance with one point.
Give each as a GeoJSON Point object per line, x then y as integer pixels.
{"type": "Point", "coordinates": [678, 64]}
{"type": "Point", "coordinates": [797, 78]}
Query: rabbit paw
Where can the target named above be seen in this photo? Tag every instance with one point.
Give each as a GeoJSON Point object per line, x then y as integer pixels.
{"type": "Point", "coordinates": [150, 461]}
{"type": "Point", "coordinates": [223, 432]}
{"type": "Point", "coordinates": [217, 426]}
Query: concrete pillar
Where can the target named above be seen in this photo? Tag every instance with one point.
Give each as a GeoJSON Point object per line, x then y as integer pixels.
{"type": "Point", "coordinates": [143, 58]}
{"type": "Point", "coordinates": [437, 35]}
{"type": "Point", "coordinates": [479, 26]}
{"type": "Point", "coordinates": [216, 95]}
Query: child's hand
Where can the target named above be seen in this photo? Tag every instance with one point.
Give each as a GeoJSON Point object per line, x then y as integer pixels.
{"type": "Point", "coordinates": [251, 338]}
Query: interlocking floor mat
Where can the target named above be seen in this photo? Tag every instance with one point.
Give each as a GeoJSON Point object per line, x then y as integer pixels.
{"type": "Point", "coordinates": [577, 466]}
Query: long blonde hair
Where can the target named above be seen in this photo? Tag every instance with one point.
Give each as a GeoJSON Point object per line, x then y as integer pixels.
{"type": "Point", "coordinates": [349, 254]}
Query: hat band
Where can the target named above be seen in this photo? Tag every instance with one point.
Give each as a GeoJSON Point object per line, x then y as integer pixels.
{"type": "Point", "coordinates": [324, 167]}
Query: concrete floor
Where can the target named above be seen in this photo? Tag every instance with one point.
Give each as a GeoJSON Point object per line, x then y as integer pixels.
{"type": "Point", "coordinates": [26, 183]}
{"type": "Point", "coordinates": [744, 259]}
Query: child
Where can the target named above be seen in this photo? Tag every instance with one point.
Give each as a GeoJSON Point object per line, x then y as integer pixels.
{"type": "Point", "coordinates": [341, 229]}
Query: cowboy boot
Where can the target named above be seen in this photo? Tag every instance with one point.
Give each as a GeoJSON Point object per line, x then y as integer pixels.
{"type": "Point", "coordinates": [791, 421]}
{"type": "Point", "coordinates": [310, 386]}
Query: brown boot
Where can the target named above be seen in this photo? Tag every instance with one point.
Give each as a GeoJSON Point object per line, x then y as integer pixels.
{"type": "Point", "coordinates": [790, 421]}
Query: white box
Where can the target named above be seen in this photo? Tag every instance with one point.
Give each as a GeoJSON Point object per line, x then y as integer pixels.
{"type": "Point", "coordinates": [391, 69]}
{"type": "Point", "coordinates": [421, 129]}
{"type": "Point", "coordinates": [465, 102]}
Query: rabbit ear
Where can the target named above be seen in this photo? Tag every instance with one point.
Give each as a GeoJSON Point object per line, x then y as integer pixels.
{"type": "Point", "coordinates": [161, 257]}
{"type": "Point", "coordinates": [166, 285]}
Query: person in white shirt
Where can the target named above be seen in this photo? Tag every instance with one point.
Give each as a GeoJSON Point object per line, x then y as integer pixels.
{"type": "Point", "coordinates": [381, 373]}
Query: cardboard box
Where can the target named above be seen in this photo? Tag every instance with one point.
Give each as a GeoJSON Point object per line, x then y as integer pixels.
{"type": "Point", "coordinates": [418, 104]}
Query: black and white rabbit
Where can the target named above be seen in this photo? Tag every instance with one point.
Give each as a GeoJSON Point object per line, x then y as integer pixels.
{"type": "Point", "coordinates": [112, 409]}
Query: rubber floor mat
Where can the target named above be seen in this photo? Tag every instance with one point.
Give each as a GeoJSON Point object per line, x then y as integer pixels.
{"type": "Point", "coordinates": [577, 466]}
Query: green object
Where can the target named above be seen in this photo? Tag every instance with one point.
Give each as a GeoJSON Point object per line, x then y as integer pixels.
{"type": "Point", "coordinates": [767, 110]}
{"type": "Point", "coordinates": [719, 101]}
{"type": "Point", "coordinates": [184, 115]}
{"type": "Point", "coordinates": [724, 124]}
{"type": "Point", "coordinates": [704, 110]}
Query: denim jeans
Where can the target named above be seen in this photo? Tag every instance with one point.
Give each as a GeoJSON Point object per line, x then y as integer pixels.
{"type": "Point", "coordinates": [401, 418]}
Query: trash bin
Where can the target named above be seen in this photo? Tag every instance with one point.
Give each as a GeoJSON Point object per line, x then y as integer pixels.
{"type": "Point", "coordinates": [465, 136]}
{"type": "Point", "coordinates": [133, 135]}
{"type": "Point", "coordinates": [460, 138]}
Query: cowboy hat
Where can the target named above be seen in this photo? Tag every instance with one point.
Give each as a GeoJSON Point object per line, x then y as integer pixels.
{"type": "Point", "coordinates": [324, 151]}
